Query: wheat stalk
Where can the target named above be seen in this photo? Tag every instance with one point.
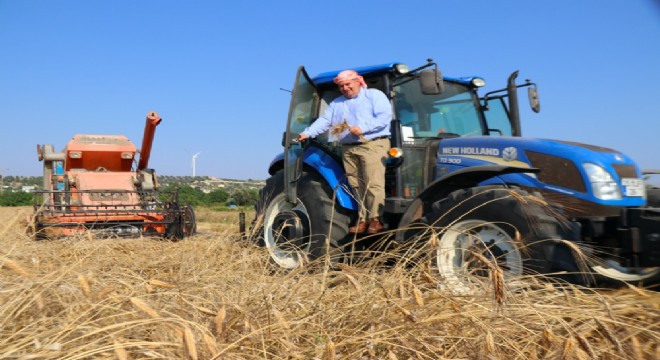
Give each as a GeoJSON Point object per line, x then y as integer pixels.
{"type": "Point", "coordinates": [608, 334]}
{"type": "Point", "coordinates": [636, 348]}
{"type": "Point", "coordinates": [419, 299]}
{"type": "Point", "coordinates": [490, 343]}
{"type": "Point", "coordinates": [144, 307]}
{"type": "Point", "coordinates": [84, 285]}
{"type": "Point", "coordinates": [15, 267]}
{"type": "Point", "coordinates": [391, 356]}
{"type": "Point", "coordinates": [120, 351]}
{"type": "Point", "coordinates": [189, 343]}
{"type": "Point", "coordinates": [39, 301]}
{"type": "Point", "coordinates": [219, 321]}
{"type": "Point", "coordinates": [549, 339]}
{"type": "Point", "coordinates": [330, 350]}
{"type": "Point", "coordinates": [210, 344]}
{"type": "Point", "coordinates": [162, 284]}
{"type": "Point", "coordinates": [568, 348]}
{"type": "Point", "coordinates": [584, 344]}
{"type": "Point", "coordinates": [338, 129]}
{"type": "Point", "coordinates": [281, 320]}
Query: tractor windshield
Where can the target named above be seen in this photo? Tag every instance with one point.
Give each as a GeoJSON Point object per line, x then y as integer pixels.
{"type": "Point", "coordinates": [455, 111]}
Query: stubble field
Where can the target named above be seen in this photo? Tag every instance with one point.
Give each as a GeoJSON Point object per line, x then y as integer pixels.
{"type": "Point", "coordinates": [214, 297]}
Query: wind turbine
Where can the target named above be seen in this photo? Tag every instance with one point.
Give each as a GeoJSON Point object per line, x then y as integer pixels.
{"type": "Point", "coordinates": [194, 158]}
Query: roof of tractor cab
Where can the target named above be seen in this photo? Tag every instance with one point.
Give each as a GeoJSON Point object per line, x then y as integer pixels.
{"type": "Point", "coordinates": [329, 76]}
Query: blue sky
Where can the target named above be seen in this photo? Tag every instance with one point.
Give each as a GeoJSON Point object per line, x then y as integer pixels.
{"type": "Point", "coordinates": [214, 69]}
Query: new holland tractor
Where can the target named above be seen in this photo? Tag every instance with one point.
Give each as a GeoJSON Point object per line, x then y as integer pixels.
{"type": "Point", "coordinates": [96, 185]}
{"type": "Point", "coordinates": [461, 176]}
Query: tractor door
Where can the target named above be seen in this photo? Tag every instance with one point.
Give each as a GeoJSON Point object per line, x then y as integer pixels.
{"type": "Point", "coordinates": [302, 110]}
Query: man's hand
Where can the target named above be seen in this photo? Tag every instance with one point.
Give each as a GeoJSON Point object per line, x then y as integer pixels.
{"type": "Point", "coordinates": [302, 137]}
{"type": "Point", "coordinates": [355, 130]}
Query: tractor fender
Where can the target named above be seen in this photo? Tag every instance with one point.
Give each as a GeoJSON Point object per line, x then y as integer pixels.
{"type": "Point", "coordinates": [331, 171]}
{"type": "Point", "coordinates": [460, 179]}
{"type": "Point", "coordinates": [469, 177]}
{"type": "Point", "coordinates": [520, 178]}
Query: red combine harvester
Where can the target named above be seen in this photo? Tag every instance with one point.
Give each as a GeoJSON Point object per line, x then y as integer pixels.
{"type": "Point", "coordinates": [91, 187]}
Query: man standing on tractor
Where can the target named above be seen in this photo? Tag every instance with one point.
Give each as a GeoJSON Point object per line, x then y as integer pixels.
{"type": "Point", "coordinates": [360, 120]}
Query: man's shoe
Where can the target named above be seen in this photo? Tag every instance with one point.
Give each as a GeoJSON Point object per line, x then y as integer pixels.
{"type": "Point", "coordinates": [375, 226]}
{"type": "Point", "coordinates": [359, 228]}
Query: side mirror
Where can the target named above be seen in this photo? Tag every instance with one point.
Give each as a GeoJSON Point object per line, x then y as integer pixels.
{"type": "Point", "coordinates": [534, 102]}
{"type": "Point", "coordinates": [430, 81]}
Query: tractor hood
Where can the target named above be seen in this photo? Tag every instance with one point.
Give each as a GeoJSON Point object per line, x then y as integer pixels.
{"type": "Point", "coordinates": [592, 173]}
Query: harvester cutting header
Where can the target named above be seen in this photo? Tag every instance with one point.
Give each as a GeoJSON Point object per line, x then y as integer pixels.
{"type": "Point", "coordinates": [91, 186]}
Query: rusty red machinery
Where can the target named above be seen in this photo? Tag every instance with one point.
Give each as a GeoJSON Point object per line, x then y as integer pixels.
{"type": "Point", "coordinates": [93, 186]}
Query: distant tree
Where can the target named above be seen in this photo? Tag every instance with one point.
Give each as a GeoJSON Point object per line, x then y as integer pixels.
{"type": "Point", "coordinates": [15, 198]}
{"type": "Point", "coordinates": [243, 197]}
{"type": "Point", "coordinates": [188, 194]}
{"type": "Point", "coordinates": [218, 196]}
{"type": "Point", "coordinates": [33, 180]}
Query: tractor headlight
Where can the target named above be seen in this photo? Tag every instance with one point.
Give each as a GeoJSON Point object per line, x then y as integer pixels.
{"type": "Point", "coordinates": [602, 183]}
{"type": "Point", "coordinates": [401, 68]}
{"type": "Point", "coordinates": [478, 82]}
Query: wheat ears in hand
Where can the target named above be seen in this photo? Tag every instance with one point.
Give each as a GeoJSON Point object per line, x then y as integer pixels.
{"type": "Point", "coordinates": [342, 127]}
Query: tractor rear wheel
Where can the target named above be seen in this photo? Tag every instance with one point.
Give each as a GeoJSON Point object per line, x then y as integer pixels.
{"type": "Point", "coordinates": [485, 228]}
{"type": "Point", "coordinates": [296, 234]}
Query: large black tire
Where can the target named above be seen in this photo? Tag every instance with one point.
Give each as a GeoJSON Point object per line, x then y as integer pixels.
{"type": "Point", "coordinates": [505, 227]}
{"type": "Point", "coordinates": [296, 234]}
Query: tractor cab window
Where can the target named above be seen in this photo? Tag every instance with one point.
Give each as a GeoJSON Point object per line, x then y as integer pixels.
{"type": "Point", "coordinates": [429, 116]}
{"type": "Point", "coordinates": [326, 98]}
{"type": "Point", "coordinates": [497, 117]}
{"type": "Point", "coordinates": [303, 107]}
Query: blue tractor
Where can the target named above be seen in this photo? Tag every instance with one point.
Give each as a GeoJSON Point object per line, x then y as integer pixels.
{"type": "Point", "coordinates": [461, 177]}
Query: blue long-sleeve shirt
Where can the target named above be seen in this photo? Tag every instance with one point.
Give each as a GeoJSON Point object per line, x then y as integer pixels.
{"type": "Point", "coordinates": [370, 110]}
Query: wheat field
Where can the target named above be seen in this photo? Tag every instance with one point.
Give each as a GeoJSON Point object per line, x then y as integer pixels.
{"type": "Point", "coordinates": [212, 296]}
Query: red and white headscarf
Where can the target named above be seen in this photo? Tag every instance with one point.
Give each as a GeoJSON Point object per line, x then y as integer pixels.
{"type": "Point", "coordinates": [348, 75]}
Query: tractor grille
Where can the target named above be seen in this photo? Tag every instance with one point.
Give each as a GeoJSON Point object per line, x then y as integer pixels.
{"type": "Point", "coordinates": [557, 171]}
{"type": "Point", "coordinates": [625, 171]}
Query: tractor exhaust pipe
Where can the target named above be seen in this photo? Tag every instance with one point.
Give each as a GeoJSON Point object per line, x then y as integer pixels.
{"type": "Point", "coordinates": [153, 119]}
{"type": "Point", "coordinates": [514, 112]}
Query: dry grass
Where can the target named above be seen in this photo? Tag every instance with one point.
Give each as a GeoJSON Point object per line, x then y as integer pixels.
{"type": "Point", "coordinates": [211, 296]}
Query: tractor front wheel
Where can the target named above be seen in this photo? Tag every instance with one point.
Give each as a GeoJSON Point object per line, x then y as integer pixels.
{"type": "Point", "coordinates": [490, 228]}
{"type": "Point", "coordinates": [296, 234]}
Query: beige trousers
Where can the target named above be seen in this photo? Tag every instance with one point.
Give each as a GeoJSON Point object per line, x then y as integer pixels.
{"type": "Point", "coordinates": [365, 170]}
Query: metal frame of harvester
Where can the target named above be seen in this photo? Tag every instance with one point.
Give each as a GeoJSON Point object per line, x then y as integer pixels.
{"type": "Point", "coordinates": [91, 187]}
